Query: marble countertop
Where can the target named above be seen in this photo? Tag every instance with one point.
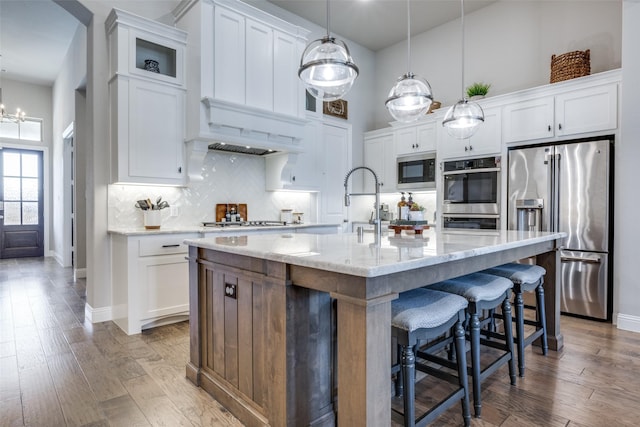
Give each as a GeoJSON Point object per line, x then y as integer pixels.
{"type": "Point", "coordinates": [141, 231]}
{"type": "Point", "coordinates": [363, 256]}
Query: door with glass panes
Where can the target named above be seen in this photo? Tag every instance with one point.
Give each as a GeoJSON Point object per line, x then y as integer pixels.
{"type": "Point", "coordinates": [21, 203]}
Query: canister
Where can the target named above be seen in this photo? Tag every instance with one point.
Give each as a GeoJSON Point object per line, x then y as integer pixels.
{"type": "Point", "coordinates": [286, 215]}
{"type": "Point", "coordinates": [298, 217]}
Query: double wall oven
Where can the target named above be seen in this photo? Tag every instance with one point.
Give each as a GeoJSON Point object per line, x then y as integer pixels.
{"type": "Point", "coordinates": [471, 193]}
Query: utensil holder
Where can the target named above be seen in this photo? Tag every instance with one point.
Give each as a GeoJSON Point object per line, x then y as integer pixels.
{"type": "Point", "coordinates": [152, 219]}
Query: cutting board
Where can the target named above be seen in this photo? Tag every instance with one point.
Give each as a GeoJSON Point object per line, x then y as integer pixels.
{"type": "Point", "coordinates": [221, 210]}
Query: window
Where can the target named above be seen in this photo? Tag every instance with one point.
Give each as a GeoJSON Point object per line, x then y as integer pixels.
{"type": "Point", "coordinates": [29, 130]}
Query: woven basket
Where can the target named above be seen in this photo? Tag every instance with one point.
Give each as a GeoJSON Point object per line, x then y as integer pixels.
{"type": "Point", "coordinates": [570, 65]}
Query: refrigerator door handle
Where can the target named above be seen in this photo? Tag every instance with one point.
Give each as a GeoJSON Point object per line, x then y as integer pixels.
{"type": "Point", "coordinates": [550, 208]}
{"type": "Point", "coordinates": [556, 192]}
{"type": "Point", "coordinates": [579, 259]}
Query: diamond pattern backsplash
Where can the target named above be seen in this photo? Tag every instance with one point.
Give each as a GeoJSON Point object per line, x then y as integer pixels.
{"type": "Point", "coordinates": [228, 178]}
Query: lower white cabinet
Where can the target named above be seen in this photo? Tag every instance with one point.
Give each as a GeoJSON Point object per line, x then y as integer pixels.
{"type": "Point", "coordinates": [150, 280]}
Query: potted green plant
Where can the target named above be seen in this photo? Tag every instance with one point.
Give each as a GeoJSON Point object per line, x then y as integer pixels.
{"type": "Point", "coordinates": [478, 90]}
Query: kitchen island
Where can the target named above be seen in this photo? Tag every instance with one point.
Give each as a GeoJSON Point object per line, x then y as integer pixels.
{"type": "Point", "coordinates": [294, 329]}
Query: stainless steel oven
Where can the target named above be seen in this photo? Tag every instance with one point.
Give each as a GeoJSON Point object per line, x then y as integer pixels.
{"type": "Point", "coordinates": [471, 193]}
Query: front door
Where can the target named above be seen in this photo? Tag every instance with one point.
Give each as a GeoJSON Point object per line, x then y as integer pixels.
{"type": "Point", "coordinates": [21, 204]}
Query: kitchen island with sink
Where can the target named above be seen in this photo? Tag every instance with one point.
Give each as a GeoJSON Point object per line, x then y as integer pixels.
{"type": "Point", "coordinates": [294, 329]}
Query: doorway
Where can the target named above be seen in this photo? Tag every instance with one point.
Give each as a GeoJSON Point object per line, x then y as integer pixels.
{"type": "Point", "coordinates": [21, 203]}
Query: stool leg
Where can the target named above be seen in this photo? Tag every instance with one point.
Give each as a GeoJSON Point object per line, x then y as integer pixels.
{"type": "Point", "coordinates": [462, 370]}
{"type": "Point", "coordinates": [399, 375]}
{"type": "Point", "coordinates": [508, 333]}
{"type": "Point", "coordinates": [519, 317]}
{"type": "Point", "coordinates": [474, 333]}
{"type": "Point", "coordinates": [408, 366]}
{"type": "Point", "coordinates": [542, 317]}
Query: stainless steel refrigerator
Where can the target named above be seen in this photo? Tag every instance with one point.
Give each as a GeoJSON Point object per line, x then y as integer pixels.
{"type": "Point", "coordinates": [568, 187]}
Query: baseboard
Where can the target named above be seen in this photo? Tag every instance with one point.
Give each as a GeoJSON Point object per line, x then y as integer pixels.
{"type": "Point", "coordinates": [628, 323]}
{"type": "Point", "coordinates": [97, 315]}
{"type": "Point", "coordinates": [80, 273]}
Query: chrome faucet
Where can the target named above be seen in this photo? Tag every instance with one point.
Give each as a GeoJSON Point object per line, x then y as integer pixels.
{"type": "Point", "coordinates": [347, 197]}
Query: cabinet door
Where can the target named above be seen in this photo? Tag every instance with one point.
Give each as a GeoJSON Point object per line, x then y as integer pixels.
{"type": "Point", "coordinates": [450, 147]}
{"type": "Point", "coordinates": [156, 134]}
{"type": "Point", "coordinates": [587, 110]}
{"type": "Point", "coordinates": [164, 286]}
{"type": "Point", "coordinates": [379, 155]}
{"type": "Point", "coordinates": [336, 162]}
{"type": "Point", "coordinates": [229, 56]}
{"type": "Point", "coordinates": [487, 139]}
{"type": "Point", "coordinates": [427, 137]}
{"type": "Point", "coordinates": [259, 60]}
{"type": "Point", "coordinates": [527, 120]}
{"type": "Point", "coordinates": [286, 85]}
{"type": "Point", "coordinates": [406, 140]}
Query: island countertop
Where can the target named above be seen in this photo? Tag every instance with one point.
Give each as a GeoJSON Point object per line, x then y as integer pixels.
{"type": "Point", "coordinates": [362, 256]}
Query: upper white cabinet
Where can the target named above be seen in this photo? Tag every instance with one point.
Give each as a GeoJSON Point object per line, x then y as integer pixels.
{"type": "Point", "coordinates": [573, 112]}
{"type": "Point", "coordinates": [418, 138]}
{"type": "Point", "coordinates": [255, 58]}
{"type": "Point", "coordinates": [379, 155]}
{"type": "Point", "coordinates": [146, 100]}
{"type": "Point", "coordinates": [486, 141]}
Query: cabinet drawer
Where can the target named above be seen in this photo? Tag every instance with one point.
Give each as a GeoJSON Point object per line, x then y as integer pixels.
{"type": "Point", "coordinates": [164, 245]}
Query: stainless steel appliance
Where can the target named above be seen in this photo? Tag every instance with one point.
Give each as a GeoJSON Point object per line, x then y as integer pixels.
{"type": "Point", "coordinates": [471, 193]}
{"type": "Point", "coordinates": [416, 172]}
{"type": "Point", "coordinates": [573, 182]}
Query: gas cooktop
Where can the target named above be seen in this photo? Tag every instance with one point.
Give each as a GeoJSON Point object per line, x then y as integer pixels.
{"type": "Point", "coordinates": [254, 223]}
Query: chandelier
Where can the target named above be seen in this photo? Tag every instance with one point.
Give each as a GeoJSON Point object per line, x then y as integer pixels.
{"type": "Point", "coordinates": [10, 118]}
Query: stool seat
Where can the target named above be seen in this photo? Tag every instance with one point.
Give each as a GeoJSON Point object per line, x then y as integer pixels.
{"type": "Point", "coordinates": [422, 308]}
{"type": "Point", "coordinates": [475, 287]}
{"type": "Point", "coordinates": [526, 275]}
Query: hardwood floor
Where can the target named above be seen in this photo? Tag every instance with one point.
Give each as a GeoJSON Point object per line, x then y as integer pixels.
{"type": "Point", "coordinates": [58, 370]}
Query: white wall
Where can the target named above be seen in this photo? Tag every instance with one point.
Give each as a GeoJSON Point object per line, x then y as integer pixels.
{"type": "Point", "coordinates": [507, 44]}
{"type": "Point", "coordinates": [627, 205]}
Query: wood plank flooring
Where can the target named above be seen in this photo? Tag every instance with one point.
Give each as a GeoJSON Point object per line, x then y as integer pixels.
{"type": "Point", "coordinates": [56, 369]}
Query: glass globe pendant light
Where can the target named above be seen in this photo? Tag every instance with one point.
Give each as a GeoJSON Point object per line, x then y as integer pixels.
{"type": "Point", "coordinates": [463, 118]}
{"type": "Point", "coordinates": [326, 67]}
{"type": "Point", "coordinates": [411, 97]}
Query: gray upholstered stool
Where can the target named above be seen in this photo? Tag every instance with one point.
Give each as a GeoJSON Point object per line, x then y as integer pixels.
{"type": "Point", "coordinates": [422, 314]}
{"type": "Point", "coordinates": [525, 278]}
{"type": "Point", "coordinates": [484, 292]}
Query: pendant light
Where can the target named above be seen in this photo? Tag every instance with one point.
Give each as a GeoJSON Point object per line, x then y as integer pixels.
{"type": "Point", "coordinates": [410, 98]}
{"type": "Point", "coordinates": [463, 118]}
{"type": "Point", "coordinates": [326, 67]}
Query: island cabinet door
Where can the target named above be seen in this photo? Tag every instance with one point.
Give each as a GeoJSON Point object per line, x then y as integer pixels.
{"type": "Point", "coordinates": [266, 347]}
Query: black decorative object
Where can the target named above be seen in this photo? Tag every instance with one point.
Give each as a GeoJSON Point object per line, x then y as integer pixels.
{"type": "Point", "coordinates": [151, 65]}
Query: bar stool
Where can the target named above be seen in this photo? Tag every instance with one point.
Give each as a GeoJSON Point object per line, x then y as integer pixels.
{"type": "Point", "coordinates": [484, 292]}
{"type": "Point", "coordinates": [525, 278]}
{"type": "Point", "coordinates": [422, 314]}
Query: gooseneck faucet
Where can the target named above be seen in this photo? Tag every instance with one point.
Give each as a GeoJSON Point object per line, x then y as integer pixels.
{"type": "Point", "coordinates": [347, 197]}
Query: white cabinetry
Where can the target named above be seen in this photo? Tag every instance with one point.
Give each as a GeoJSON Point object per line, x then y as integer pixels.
{"type": "Point", "coordinates": [255, 59]}
{"type": "Point", "coordinates": [297, 170]}
{"type": "Point", "coordinates": [379, 155]}
{"type": "Point", "coordinates": [146, 100]}
{"type": "Point", "coordinates": [486, 141]}
{"type": "Point", "coordinates": [580, 111]}
{"type": "Point", "coordinates": [417, 138]}
{"type": "Point", "coordinates": [335, 164]}
{"type": "Point", "coordinates": [150, 280]}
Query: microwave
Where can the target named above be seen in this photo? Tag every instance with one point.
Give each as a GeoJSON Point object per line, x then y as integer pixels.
{"type": "Point", "coordinates": [416, 172]}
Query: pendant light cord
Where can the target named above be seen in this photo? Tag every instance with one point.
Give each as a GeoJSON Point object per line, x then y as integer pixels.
{"type": "Point", "coordinates": [462, 24]}
{"type": "Point", "coordinates": [408, 37]}
{"type": "Point", "coordinates": [328, 35]}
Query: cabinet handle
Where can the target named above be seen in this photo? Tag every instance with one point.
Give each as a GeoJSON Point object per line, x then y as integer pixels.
{"type": "Point", "coordinates": [179, 169]}
{"type": "Point", "coordinates": [293, 178]}
{"type": "Point", "coordinates": [470, 147]}
{"type": "Point", "coordinates": [466, 148]}
{"type": "Point", "coordinates": [171, 246]}
{"type": "Point", "coordinates": [559, 126]}
{"type": "Point", "coordinates": [549, 128]}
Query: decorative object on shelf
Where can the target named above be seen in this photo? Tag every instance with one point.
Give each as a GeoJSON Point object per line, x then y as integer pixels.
{"type": "Point", "coordinates": [434, 106]}
{"type": "Point", "coordinates": [478, 90]}
{"type": "Point", "coordinates": [326, 67]}
{"type": "Point", "coordinates": [411, 96]}
{"type": "Point", "coordinates": [337, 108]}
{"type": "Point", "coordinates": [464, 117]}
{"type": "Point", "coordinates": [570, 65]}
{"type": "Point", "coordinates": [151, 65]}
{"type": "Point", "coordinates": [10, 118]}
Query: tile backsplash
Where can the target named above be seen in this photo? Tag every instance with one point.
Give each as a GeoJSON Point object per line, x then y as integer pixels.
{"type": "Point", "coordinates": [227, 178]}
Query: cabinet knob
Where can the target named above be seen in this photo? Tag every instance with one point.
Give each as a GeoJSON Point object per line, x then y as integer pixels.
{"type": "Point", "coordinates": [470, 147]}
{"type": "Point", "coordinates": [549, 128]}
{"type": "Point", "coordinates": [293, 178]}
{"type": "Point", "coordinates": [466, 148]}
{"type": "Point", "coordinates": [179, 169]}
{"type": "Point", "coordinates": [559, 126]}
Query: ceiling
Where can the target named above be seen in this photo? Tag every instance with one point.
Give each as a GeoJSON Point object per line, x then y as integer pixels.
{"type": "Point", "coordinates": [35, 34]}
